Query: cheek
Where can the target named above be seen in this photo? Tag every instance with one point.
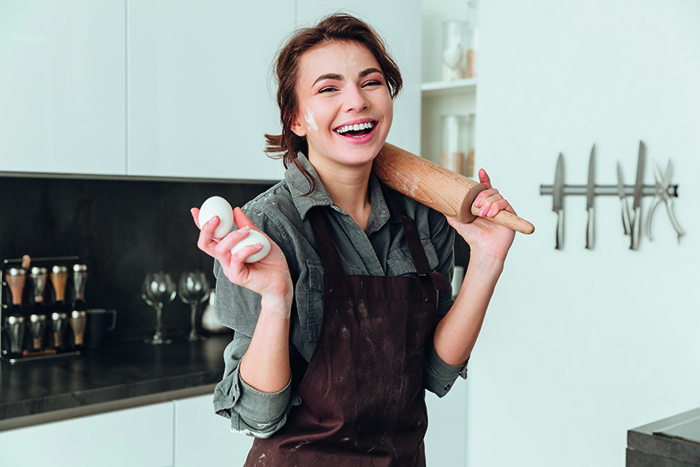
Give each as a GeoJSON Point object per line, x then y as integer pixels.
{"type": "Point", "coordinates": [311, 122]}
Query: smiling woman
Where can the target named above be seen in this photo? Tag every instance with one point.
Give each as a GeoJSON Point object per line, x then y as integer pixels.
{"type": "Point", "coordinates": [342, 327]}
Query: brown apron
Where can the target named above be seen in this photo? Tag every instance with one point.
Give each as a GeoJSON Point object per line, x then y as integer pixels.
{"type": "Point", "coordinates": [363, 402]}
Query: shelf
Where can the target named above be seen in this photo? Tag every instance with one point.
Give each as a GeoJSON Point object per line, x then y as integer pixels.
{"type": "Point", "coordinates": [448, 88]}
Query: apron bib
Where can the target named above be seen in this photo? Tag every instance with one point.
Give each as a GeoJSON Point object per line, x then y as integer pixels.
{"type": "Point", "coordinates": [363, 402]}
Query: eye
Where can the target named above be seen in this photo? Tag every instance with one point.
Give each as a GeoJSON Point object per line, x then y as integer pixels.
{"type": "Point", "coordinates": [327, 89]}
{"type": "Point", "coordinates": [373, 82]}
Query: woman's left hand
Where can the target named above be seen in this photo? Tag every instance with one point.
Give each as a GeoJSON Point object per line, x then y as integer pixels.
{"type": "Point", "coordinates": [487, 239]}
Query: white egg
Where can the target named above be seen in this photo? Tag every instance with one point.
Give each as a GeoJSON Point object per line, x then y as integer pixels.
{"type": "Point", "coordinates": [253, 237]}
{"type": "Point", "coordinates": [217, 206]}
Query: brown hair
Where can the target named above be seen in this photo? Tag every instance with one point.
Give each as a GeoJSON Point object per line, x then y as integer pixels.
{"type": "Point", "coordinates": [335, 27]}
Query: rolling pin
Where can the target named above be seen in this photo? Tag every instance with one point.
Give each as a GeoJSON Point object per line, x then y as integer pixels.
{"type": "Point", "coordinates": [437, 187]}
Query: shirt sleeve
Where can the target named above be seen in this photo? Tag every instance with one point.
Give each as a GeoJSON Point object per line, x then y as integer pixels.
{"type": "Point", "coordinates": [251, 411]}
{"type": "Point", "coordinates": [439, 376]}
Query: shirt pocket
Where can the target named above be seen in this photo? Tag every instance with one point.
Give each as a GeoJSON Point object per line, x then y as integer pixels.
{"type": "Point", "coordinates": [400, 261]}
{"type": "Point", "coordinates": [309, 293]}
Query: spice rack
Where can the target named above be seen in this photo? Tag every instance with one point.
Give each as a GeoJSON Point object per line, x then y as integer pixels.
{"type": "Point", "coordinates": [41, 315]}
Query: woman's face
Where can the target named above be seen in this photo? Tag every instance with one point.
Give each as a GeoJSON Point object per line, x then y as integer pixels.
{"type": "Point", "coordinates": [345, 109]}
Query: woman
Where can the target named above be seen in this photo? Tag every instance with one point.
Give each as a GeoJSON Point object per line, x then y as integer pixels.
{"type": "Point", "coordinates": [343, 325]}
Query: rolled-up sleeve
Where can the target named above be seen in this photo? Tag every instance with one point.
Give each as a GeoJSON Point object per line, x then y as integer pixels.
{"type": "Point", "coordinates": [439, 376]}
{"type": "Point", "coordinates": [252, 412]}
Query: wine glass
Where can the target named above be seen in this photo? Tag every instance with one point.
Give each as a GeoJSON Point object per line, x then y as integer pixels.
{"type": "Point", "coordinates": [158, 289]}
{"type": "Point", "coordinates": [452, 49]}
{"type": "Point", "coordinates": [193, 289]}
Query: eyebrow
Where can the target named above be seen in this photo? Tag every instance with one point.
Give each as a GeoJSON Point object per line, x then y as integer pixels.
{"type": "Point", "coordinates": [337, 77]}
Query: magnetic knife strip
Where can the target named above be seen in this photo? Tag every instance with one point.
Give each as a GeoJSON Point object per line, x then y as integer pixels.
{"type": "Point", "coordinates": [662, 191]}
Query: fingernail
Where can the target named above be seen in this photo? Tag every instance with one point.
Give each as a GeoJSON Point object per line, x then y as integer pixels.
{"type": "Point", "coordinates": [492, 212]}
{"type": "Point", "coordinates": [245, 229]}
{"type": "Point", "coordinates": [482, 212]}
{"type": "Point", "coordinates": [213, 220]}
{"type": "Point", "coordinates": [477, 203]}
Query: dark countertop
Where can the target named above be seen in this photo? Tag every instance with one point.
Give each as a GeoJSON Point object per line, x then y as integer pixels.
{"type": "Point", "coordinates": [671, 442]}
{"type": "Point", "coordinates": [116, 372]}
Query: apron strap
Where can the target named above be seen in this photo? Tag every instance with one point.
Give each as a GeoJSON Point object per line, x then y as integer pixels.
{"type": "Point", "coordinates": [415, 246]}
{"type": "Point", "coordinates": [331, 259]}
{"type": "Point", "coordinates": [324, 240]}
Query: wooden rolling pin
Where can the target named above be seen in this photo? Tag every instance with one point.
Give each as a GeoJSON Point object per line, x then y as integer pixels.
{"type": "Point", "coordinates": [437, 187]}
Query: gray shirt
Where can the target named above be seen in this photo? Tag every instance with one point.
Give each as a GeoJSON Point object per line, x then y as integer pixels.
{"type": "Point", "coordinates": [379, 250]}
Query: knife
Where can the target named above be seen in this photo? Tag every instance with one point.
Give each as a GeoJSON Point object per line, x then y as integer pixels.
{"type": "Point", "coordinates": [558, 201]}
{"type": "Point", "coordinates": [638, 193]}
{"type": "Point", "coordinates": [623, 200]}
{"type": "Point", "coordinates": [590, 198]}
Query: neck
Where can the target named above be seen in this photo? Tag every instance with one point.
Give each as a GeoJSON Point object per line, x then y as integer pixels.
{"type": "Point", "coordinates": [348, 186]}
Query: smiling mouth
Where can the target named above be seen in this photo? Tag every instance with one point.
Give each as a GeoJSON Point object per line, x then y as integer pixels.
{"type": "Point", "coordinates": [356, 130]}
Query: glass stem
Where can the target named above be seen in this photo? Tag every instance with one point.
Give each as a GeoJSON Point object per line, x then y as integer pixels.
{"type": "Point", "coordinates": [159, 320]}
{"type": "Point", "coordinates": [193, 305]}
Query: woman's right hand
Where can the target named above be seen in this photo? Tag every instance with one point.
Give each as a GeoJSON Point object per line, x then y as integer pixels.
{"type": "Point", "coordinates": [269, 277]}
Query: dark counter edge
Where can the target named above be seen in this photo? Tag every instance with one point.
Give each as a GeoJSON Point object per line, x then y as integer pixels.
{"type": "Point", "coordinates": [107, 398]}
{"type": "Point", "coordinates": [643, 439]}
{"type": "Point", "coordinates": [104, 407]}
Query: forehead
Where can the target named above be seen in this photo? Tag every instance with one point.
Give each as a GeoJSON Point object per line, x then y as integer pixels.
{"type": "Point", "coordinates": [343, 58]}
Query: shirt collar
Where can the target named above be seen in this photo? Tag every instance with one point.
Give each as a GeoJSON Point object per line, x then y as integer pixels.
{"type": "Point", "coordinates": [299, 185]}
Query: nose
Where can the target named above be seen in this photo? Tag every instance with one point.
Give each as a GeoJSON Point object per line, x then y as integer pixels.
{"type": "Point", "coordinates": [355, 99]}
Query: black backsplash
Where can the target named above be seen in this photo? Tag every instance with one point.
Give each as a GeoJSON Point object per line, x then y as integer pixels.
{"type": "Point", "coordinates": [121, 229]}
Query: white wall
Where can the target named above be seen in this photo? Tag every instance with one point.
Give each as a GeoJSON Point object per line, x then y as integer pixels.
{"type": "Point", "coordinates": [579, 346]}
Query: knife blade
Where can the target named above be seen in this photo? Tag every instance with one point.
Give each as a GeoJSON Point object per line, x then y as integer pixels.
{"type": "Point", "coordinates": [558, 201]}
{"type": "Point", "coordinates": [590, 199]}
{"type": "Point", "coordinates": [638, 194]}
{"type": "Point", "coordinates": [623, 200]}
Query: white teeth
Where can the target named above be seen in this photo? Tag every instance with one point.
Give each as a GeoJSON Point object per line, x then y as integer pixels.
{"type": "Point", "coordinates": [355, 127]}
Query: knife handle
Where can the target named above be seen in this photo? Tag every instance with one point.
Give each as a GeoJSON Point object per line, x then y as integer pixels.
{"type": "Point", "coordinates": [560, 231]}
{"type": "Point", "coordinates": [636, 228]}
{"type": "Point", "coordinates": [590, 229]}
{"type": "Point", "coordinates": [625, 216]}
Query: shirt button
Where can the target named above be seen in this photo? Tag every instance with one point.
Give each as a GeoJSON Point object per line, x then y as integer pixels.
{"type": "Point", "coordinates": [447, 387]}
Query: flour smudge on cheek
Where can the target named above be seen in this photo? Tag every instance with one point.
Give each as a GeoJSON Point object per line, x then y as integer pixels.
{"type": "Point", "coordinates": [309, 117]}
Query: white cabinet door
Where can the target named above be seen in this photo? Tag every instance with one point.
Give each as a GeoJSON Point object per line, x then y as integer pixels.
{"type": "Point", "coordinates": [62, 84]}
{"type": "Point", "coordinates": [203, 438]}
{"type": "Point", "coordinates": [136, 437]}
{"type": "Point", "coordinates": [199, 90]}
{"type": "Point", "coordinates": [399, 24]}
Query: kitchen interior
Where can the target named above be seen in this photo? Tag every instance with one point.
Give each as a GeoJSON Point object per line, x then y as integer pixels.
{"type": "Point", "coordinates": [117, 117]}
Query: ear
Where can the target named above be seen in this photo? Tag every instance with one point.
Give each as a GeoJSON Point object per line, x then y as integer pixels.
{"type": "Point", "coordinates": [297, 127]}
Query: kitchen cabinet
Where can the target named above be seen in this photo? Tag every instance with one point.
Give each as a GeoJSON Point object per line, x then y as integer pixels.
{"type": "Point", "coordinates": [62, 106]}
{"type": "Point", "coordinates": [204, 438]}
{"type": "Point", "coordinates": [135, 437]}
{"type": "Point", "coordinates": [399, 24]}
{"type": "Point", "coordinates": [165, 89]}
{"type": "Point", "coordinates": [199, 97]}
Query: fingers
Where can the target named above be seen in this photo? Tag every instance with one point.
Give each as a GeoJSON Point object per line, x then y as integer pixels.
{"type": "Point", "coordinates": [241, 220]}
{"type": "Point", "coordinates": [484, 179]}
{"type": "Point", "coordinates": [206, 241]}
{"type": "Point", "coordinates": [490, 201]}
